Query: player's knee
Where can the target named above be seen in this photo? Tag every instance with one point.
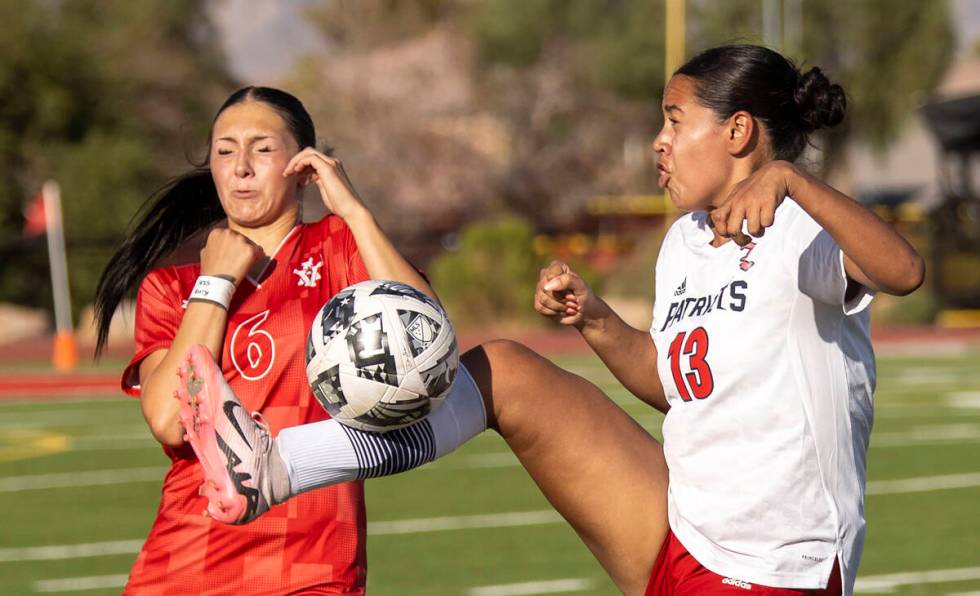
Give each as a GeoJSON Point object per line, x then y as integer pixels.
{"type": "Point", "coordinates": [494, 363]}
{"type": "Point", "coordinates": [504, 370]}
{"type": "Point", "coordinates": [509, 351]}
{"type": "Point", "coordinates": [511, 361]}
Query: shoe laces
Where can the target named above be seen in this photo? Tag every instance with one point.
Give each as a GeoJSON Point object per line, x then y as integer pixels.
{"type": "Point", "coordinates": [263, 438]}
{"type": "Point", "coordinates": [260, 420]}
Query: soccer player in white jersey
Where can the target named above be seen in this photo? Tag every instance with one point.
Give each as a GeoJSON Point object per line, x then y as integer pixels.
{"type": "Point", "coordinates": [759, 353]}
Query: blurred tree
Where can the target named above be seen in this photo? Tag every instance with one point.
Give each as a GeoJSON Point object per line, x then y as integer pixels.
{"type": "Point", "coordinates": [887, 55]}
{"type": "Point", "coordinates": [614, 45]}
{"type": "Point", "coordinates": [392, 98]}
{"type": "Point", "coordinates": [468, 278]}
{"type": "Point", "coordinates": [366, 23]}
{"type": "Point", "coordinates": [102, 96]}
{"type": "Point", "coordinates": [577, 84]}
{"type": "Point", "coordinates": [533, 100]}
{"type": "Point", "coordinates": [450, 110]}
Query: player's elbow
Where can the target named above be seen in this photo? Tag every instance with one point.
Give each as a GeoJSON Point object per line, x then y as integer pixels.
{"type": "Point", "coordinates": [914, 273]}
{"type": "Point", "coordinates": [167, 431]}
{"type": "Point", "coordinates": [163, 421]}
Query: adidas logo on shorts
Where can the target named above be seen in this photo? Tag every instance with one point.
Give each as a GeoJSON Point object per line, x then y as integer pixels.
{"type": "Point", "coordinates": [737, 583]}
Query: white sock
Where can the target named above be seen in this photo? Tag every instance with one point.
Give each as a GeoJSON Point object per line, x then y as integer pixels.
{"type": "Point", "coordinates": [324, 453]}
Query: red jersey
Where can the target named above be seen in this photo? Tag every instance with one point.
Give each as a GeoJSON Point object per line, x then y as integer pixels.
{"type": "Point", "coordinates": [314, 543]}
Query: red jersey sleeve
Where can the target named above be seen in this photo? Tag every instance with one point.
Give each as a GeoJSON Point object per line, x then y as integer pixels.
{"type": "Point", "coordinates": [356, 270]}
{"type": "Point", "coordinates": [158, 315]}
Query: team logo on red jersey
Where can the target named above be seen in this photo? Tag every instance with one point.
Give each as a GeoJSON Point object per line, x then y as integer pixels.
{"type": "Point", "coordinates": [308, 273]}
{"type": "Point", "coordinates": [744, 263]}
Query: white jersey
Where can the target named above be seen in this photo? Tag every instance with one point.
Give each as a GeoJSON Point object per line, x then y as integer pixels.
{"type": "Point", "coordinates": [769, 375]}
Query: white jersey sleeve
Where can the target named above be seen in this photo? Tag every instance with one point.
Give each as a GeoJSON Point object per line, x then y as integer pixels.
{"type": "Point", "coordinates": [820, 266]}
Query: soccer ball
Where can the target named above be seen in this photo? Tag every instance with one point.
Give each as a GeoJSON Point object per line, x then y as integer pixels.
{"type": "Point", "coordinates": [381, 355]}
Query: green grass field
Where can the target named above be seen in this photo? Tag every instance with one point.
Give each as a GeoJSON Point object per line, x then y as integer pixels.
{"type": "Point", "coordinates": [86, 473]}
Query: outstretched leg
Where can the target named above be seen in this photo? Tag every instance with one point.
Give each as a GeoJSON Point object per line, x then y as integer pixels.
{"type": "Point", "coordinates": [600, 469]}
{"type": "Point", "coordinates": [246, 471]}
{"type": "Point", "coordinates": [595, 464]}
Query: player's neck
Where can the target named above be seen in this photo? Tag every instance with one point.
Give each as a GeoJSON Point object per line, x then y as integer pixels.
{"type": "Point", "coordinates": [270, 236]}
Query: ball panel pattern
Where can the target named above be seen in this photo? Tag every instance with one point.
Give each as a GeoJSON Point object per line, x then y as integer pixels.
{"type": "Point", "coordinates": [381, 355]}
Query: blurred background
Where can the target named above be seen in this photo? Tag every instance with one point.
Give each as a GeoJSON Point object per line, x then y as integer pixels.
{"type": "Point", "coordinates": [488, 137]}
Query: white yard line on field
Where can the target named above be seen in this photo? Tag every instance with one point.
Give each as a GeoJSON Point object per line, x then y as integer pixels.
{"type": "Point", "coordinates": [961, 433]}
{"type": "Point", "coordinates": [379, 528]}
{"type": "Point", "coordinates": [923, 413]}
{"type": "Point", "coordinates": [57, 552]}
{"type": "Point", "coordinates": [78, 584]}
{"type": "Point", "coordinates": [878, 584]}
{"type": "Point", "coordinates": [963, 399]}
{"type": "Point", "coordinates": [137, 434]}
{"type": "Point", "coordinates": [13, 484]}
{"type": "Point", "coordinates": [111, 444]}
{"type": "Point", "coordinates": [554, 586]}
{"type": "Point", "coordinates": [923, 376]}
{"type": "Point", "coordinates": [923, 484]}
{"type": "Point", "coordinates": [463, 522]}
{"type": "Point", "coordinates": [930, 435]}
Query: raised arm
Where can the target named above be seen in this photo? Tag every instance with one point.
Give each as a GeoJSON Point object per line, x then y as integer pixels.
{"type": "Point", "coordinates": [629, 353]}
{"type": "Point", "coordinates": [227, 254]}
{"type": "Point", "coordinates": [380, 257]}
{"type": "Point", "coordinates": [875, 255]}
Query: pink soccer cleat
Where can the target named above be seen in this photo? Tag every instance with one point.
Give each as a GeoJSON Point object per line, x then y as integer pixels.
{"type": "Point", "coordinates": [232, 446]}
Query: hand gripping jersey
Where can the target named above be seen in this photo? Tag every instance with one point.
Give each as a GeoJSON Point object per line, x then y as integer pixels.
{"type": "Point", "coordinates": [314, 543]}
{"type": "Point", "coordinates": [769, 373]}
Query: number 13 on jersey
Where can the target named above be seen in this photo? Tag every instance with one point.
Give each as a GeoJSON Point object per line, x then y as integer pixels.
{"type": "Point", "coordinates": [688, 365]}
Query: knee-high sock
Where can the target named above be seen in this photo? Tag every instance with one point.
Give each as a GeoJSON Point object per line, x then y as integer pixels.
{"type": "Point", "coordinates": [324, 453]}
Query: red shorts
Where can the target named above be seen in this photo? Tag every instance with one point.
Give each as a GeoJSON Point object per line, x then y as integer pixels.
{"type": "Point", "coordinates": [678, 573]}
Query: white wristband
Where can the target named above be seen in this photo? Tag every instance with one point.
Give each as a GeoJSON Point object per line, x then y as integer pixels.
{"type": "Point", "coordinates": [216, 290]}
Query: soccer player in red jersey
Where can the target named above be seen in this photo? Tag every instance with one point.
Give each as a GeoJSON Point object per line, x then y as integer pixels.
{"type": "Point", "coordinates": [759, 354]}
{"type": "Point", "coordinates": [222, 259]}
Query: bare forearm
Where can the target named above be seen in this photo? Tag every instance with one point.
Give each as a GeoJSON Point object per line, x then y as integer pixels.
{"type": "Point", "coordinates": [630, 355]}
{"type": "Point", "coordinates": [380, 257]}
{"type": "Point", "coordinates": [203, 323]}
{"type": "Point", "coordinates": [879, 257]}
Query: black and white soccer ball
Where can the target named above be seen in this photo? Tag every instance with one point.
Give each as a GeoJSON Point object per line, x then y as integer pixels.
{"type": "Point", "coordinates": [381, 355]}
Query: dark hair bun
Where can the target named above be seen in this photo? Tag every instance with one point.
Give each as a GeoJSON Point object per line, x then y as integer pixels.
{"type": "Point", "coordinates": [819, 103]}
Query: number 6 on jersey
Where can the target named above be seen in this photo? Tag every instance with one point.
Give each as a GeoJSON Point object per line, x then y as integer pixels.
{"type": "Point", "coordinates": [696, 349]}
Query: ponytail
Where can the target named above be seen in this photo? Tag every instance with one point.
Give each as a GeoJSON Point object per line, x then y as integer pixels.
{"type": "Point", "coordinates": [170, 216]}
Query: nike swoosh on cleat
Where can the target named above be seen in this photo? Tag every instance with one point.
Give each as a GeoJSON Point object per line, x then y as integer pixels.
{"type": "Point", "coordinates": [229, 408]}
